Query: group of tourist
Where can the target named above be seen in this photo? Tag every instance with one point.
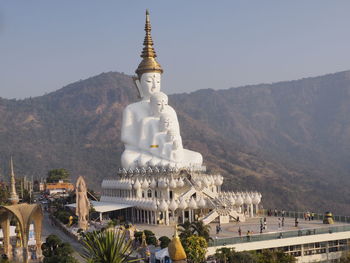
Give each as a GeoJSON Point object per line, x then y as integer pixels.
{"type": "Point", "coordinates": [309, 216]}
{"type": "Point", "coordinates": [276, 212]}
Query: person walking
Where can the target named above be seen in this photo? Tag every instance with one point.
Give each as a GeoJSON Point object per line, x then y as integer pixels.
{"type": "Point", "coordinates": [239, 231]}
{"type": "Point", "coordinates": [248, 235]}
{"type": "Point", "coordinates": [282, 221]}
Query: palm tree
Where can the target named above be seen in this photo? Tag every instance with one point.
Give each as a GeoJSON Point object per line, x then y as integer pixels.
{"type": "Point", "coordinates": [185, 230]}
{"type": "Point", "coordinates": [106, 247]}
{"type": "Point", "coordinates": [202, 230]}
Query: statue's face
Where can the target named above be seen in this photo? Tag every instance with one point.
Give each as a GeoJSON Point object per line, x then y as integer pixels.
{"type": "Point", "coordinates": [171, 135]}
{"type": "Point", "coordinates": [81, 186]}
{"type": "Point", "coordinates": [159, 103]}
{"type": "Point", "coordinates": [165, 122]}
{"type": "Point", "coordinates": [150, 84]}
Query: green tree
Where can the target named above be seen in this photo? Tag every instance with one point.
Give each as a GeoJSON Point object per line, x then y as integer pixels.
{"type": "Point", "coordinates": [56, 175]}
{"type": "Point", "coordinates": [4, 259]}
{"type": "Point", "coordinates": [56, 251]}
{"type": "Point", "coordinates": [27, 197]}
{"type": "Point", "coordinates": [164, 241]}
{"type": "Point", "coordinates": [202, 230]}
{"type": "Point", "coordinates": [185, 230]}
{"type": "Point", "coordinates": [224, 255]}
{"type": "Point", "coordinates": [228, 255]}
{"type": "Point", "coordinates": [3, 195]}
{"type": "Point", "coordinates": [244, 257]}
{"type": "Point", "coordinates": [275, 256]}
{"type": "Point", "coordinates": [106, 247]}
{"type": "Point", "coordinates": [150, 237]}
{"type": "Point", "coordinates": [345, 258]}
{"type": "Point", "coordinates": [195, 248]}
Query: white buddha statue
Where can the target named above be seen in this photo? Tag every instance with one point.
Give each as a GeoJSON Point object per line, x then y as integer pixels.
{"type": "Point", "coordinates": [150, 128]}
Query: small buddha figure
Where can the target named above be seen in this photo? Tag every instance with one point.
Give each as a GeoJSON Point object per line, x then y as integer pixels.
{"type": "Point", "coordinates": [172, 148]}
{"type": "Point", "coordinates": [165, 123]}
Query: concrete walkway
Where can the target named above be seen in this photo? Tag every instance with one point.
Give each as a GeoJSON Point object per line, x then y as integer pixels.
{"type": "Point", "coordinates": [231, 229]}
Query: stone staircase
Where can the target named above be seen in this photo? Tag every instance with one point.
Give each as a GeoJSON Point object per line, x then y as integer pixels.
{"type": "Point", "coordinates": [235, 215]}
{"type": "Point", "coordinates": [210, 217]}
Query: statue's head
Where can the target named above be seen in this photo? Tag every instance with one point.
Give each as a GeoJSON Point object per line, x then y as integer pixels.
{"type": "Point", "coordinates": [159, 103]}
{"type": "Point", "coordinates": [166, 121]}
{"type": "Point", "coordinates": [148, 84]}
{"type": "Point", "coordinates": [149, 70]}
{"type": "Point", "coordinates": [81, 185]}
{"type": "Point", "coordinates": [171, 135]}
{"type": "Point", "coordinates": [174, 137]}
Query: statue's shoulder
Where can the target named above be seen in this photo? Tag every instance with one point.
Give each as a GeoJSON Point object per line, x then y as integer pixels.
{"type": "Point", "coordinates": [137, 110]}
{"type": "Point", "coordinates": [138, 105]}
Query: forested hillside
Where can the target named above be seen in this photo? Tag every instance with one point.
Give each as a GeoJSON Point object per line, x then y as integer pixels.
{"type": "Point", "coordinates": [289, 140]}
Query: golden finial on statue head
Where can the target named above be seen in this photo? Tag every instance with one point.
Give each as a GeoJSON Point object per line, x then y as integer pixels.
{"type": "Point", "coordinates": [148, 63]}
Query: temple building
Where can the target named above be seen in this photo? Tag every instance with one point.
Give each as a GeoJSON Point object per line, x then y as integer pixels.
{"type": "Point", "coordinates": [163, 182]}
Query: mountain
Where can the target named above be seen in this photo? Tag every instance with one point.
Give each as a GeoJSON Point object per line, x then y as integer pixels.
{"type": "Point", "coordinates": [289, 140]}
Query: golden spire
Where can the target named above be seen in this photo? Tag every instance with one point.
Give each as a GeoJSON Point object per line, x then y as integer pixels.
{"type": "Point", "coordinates": [13, 194]}
{"type": "Point", "coordinates": [175, 232]}
{"type": "Point", "coordinates": [148, 63]}
{"type": "Point", "coordinates": [175, 248]}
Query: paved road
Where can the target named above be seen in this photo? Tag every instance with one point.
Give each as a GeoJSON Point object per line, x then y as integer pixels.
{"type": "Point", "coordinates": [49, 229]}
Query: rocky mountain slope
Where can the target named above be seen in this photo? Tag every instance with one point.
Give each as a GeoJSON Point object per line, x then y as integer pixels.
{"type": "Point", "coordinates": [289, 140]}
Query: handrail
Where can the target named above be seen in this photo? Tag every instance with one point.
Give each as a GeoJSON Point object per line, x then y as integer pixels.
{"type": "Point", "coordinates": [278, 235]}
{"type": "Point", "coordinates": [316, 216]}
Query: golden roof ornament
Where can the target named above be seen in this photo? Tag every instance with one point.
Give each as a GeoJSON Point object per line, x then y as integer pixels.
{"type": "Point", "coordinates": [148, 63]}
{"type": "Point", "coordinates": [175, 249]}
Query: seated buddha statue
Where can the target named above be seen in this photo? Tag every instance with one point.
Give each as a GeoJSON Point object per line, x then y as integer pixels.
{"type": "Point", "coordinates": [147, 123]}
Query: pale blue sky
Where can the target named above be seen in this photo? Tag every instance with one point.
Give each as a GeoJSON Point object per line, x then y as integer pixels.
{"type": "Point", "coordinates": [45, 45]}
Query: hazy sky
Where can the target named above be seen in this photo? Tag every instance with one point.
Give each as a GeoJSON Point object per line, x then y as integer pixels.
{"type": "Point", "coordinates": [45, 45]}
